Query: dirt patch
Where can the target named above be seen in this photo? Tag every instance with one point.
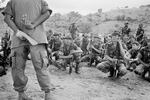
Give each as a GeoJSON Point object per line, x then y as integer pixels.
{"type": "Point", "coordinates": [91, 84]}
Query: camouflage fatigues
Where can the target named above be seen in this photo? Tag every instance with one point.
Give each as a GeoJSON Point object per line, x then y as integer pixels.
{"type": "Point", "coordinates": [139, 34]}
{"type": "Point", "coordinates": [68, 46]}
{"type": "Point", "coordinates": [109, 66]}
{"type": "Point", "coordinates": [141, 69]}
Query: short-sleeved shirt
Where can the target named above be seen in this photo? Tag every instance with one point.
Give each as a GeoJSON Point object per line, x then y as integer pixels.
{"type": "Point", "coordinates": [28, 10]}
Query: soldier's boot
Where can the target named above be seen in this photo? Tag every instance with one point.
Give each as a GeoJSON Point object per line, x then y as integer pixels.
{"type": "Point", "coordinates": [70, 69]}
{"type": "Point", "coordinates": [143, 74]}
{"type": "Point", "coordinates": [48, 96]}
{"type": "Point", "coordinates": [112, 72]}
{"type": "Point", "coordinates": [77, 69]}
{"type": "Point", "coordinates": [23, 96]}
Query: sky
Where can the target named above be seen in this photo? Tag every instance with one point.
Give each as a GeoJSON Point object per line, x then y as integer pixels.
{"type": "Point", "coordinates": [91, 6]}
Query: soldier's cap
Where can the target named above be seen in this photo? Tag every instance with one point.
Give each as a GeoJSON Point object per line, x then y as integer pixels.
{"type": "Point", "coordinates": [135, 42]}
{"type": "Point", "coordinates": [115, 33]}
{"type": "Point", "coordinates": [126, 23]}
{"type": "Point", "coordinates": [67, 37]}
{"type": "Point", "coordinates": [56, 34]}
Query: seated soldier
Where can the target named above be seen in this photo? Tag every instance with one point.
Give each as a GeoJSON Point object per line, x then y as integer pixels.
{"type": "Point", "coordinates": [56, 44]}
{"type": "Point", "coordinates": [144, 59]}
{"type": "Point", "coordinates": [73, 52]}
{"type": "Point", "coordinates": [114, 58]}
{"type": "Point", "coordinates": [134, 52]}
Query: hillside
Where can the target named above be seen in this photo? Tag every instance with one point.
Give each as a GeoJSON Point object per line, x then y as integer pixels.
{"type": "Point", "coordinates": [98, 22]}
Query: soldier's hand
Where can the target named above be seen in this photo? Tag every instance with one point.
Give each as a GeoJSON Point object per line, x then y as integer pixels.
{"type": "Point", "coordinates": [29, 26]}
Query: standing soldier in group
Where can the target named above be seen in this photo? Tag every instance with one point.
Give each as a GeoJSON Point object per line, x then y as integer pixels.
{"type": "Point", "coordinates": [140, 33]}
{"type": "Point", "coordinates": [27, 17]}
{"type": "Point", "coordinates": [73, 30]}
{"type": "Point", "coordinates": [113, 58]}
{"type": "Point", "coordinates": [6, 50]}
{"type": "Point", "coordinates": [84, 44]}
{"type": "Point", "coordinates": [126, 30]}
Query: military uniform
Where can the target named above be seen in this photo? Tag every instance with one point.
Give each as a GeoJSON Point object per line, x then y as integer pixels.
{"type": "Point", "coordinates": [95, 56]}
{"type": "Point", "coordinates": [144, 57]}
{"type": "Point", "coordinates": [30, 10]}
{"type": "Point", "coordinates": [56, 44]}
{"type": "Point", "coordinates": [126, 30]}
{"type": "Point", "coordinates": [67, 48]}
{"type": "Point", "coordinates": [140, 34]}
{"type": "Point", "coordinates": [110, 66]}
{"type": "Point", "coordinates": [73, 29]}
{"type": "Point", "coordinates": [85, 42]}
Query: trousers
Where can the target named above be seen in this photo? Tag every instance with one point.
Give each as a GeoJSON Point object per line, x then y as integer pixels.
{"type": "Point", "coordinates": [40, 62]}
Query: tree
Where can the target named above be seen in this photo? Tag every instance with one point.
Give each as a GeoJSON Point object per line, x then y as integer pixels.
{"type": "Point", "coordinates": [73, 17]}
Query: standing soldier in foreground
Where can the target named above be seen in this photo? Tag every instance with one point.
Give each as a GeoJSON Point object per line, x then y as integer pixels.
{"type": "Point", "coordinates": [27, 17]}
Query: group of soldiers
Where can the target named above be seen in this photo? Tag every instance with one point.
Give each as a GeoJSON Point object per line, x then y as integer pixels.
{"type": "Point", "coordinates": [114, 54]}
{"type": "Point", "coordinates": [5, 51]}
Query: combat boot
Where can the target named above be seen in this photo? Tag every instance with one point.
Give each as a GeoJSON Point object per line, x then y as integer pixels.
{"type": "Point", "coordinates": [77, 69]}
{"type": "Point", "coordinates": [23, 96]}
{"type": "Point", "coordinates": [48, 96]}
{"type": "Point", "coordinates": [112, 72]}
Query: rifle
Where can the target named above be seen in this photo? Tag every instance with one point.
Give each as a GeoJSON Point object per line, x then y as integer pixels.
{"type": "Point", "coordinates": [27, 37]}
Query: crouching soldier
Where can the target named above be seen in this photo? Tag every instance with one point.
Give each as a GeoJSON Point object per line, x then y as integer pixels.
{"type": "Point", "coordinates": [71, 54]}
{"type": "Point", "coordinates": [143, 68]}
{"type": "Point", "coordinates": [134, 52]}
{"type": "Point", "coordinates": [95, 51]}
{"type": "Point", "coordinates": [56, 44]}
{"type": "Point", "coordinates": [114, 63]}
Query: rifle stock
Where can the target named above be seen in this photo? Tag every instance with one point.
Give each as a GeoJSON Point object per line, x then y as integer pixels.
{"type": "Point", "coordinates": [31, 40]}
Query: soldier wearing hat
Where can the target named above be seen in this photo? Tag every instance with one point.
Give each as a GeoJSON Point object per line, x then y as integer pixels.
{"type": "Point", "coordinates": [70, 48]}
{"type": "Point", "coordinates": [126, 30]}
{"type": "Point", "coordinates": [73, 30]}
{"type": "Point", "coordinates": [84, 44]}
{"type": "Point", "coordinates": [140, 33]}
{"type": "Point", "coordinates": [56, 43]}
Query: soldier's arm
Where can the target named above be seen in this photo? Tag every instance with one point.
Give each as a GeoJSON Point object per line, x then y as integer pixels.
{"type": "Point", "coordinates": [8, 20]}
{"type": "Point", "coordinates": [45, 14]}
{"type": "Point", "coordinates": [41, 19]}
